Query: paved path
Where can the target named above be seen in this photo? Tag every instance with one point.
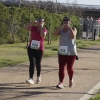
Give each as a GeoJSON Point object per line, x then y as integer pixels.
{"type": "Point", "coordinates": [86, 76]}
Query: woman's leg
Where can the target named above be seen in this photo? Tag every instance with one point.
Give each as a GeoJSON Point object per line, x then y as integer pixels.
{"type": "Point", "coordinates": [62, 66]}
{"type": "Point", "coordinates": [31, 61]}
{"type": "Point", "coordinates": [70, 62]}
{"type": "Point", "coordinates": [38, 57]}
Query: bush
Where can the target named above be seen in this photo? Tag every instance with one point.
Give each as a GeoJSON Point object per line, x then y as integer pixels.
{"type": "Point", "coordinates": [15, 18]}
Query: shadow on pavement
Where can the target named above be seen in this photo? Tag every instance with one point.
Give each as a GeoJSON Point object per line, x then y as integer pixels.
{"type": "Point", "coordinates": [22, 90]}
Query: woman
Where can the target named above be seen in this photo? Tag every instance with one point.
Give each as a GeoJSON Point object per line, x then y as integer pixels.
{"type": "Point", "coordinates": [36, 47]}
{"type": "Point", "coordinates": [67, 51]}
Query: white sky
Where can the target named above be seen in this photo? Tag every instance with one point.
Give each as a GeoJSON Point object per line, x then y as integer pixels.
{"type": "Point", "coordinates": [88, 2]}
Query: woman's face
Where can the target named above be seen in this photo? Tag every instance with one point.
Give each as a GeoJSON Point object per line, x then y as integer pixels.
{"type": "Point", "coordinates": [40, 22]}
{"type": "Point", "coordinates": [66, 23]}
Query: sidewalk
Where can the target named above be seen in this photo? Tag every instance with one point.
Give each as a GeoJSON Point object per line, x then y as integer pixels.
{"type": "Point", "coordinates": [86, 76]}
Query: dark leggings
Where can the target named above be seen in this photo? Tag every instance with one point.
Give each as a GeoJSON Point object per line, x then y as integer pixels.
{"type": "Point", "coordinates": [63, 62]}
{"type": "Point", "coordinates": [35, 57]}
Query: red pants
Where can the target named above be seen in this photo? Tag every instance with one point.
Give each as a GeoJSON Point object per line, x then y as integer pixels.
{"type": "Point", "coordinates": [65, 61]}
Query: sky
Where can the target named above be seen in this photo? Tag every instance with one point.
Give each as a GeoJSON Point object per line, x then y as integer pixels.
{"type": "Point", "coordinates": [88, 2]}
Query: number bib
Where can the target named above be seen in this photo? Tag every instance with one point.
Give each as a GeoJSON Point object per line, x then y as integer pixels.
{"type": "Point", "coordinates": [63, 50]}
{"type": "Point", "coordinates": [35, 44]}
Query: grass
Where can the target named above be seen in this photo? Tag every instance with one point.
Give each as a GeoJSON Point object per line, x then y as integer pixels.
{"type": "Point", "coordinates": [12, 54]}
{"type": "Point", "coordinates": [97, 96]}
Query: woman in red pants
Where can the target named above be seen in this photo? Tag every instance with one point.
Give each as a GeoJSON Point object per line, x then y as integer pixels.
{"type": "Point", "coordinates": [67, 51]}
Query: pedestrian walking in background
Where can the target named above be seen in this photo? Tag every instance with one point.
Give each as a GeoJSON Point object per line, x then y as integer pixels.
{"type": "Point", "coordinates": [67, 50]}
{"type": "Point", "coordinates": [36, 47]}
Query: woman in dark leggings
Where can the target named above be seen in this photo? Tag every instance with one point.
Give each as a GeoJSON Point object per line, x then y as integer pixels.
{"type": "Point", "coordinates": [36, 48]}
{"type": "Point", "coordinates": [35, 57]}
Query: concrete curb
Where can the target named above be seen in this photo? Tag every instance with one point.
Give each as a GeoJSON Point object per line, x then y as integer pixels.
{"type": "Point", "coordinates": [91, 93]}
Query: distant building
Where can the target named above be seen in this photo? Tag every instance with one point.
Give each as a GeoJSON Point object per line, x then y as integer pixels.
{"type": "Point", "coordinates": [89, 10]}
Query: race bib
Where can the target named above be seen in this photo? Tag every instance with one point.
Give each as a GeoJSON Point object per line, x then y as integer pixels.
{"type": "Point", "coordinates": [63, 50]}
{"type": "Point", "coordinates": [35, 44]}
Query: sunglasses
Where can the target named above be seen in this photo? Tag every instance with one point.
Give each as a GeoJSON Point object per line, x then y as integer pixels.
{"type": "Point", "coordinates": [40, 20]}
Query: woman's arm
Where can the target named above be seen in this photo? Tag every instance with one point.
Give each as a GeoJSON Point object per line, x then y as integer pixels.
{"type": "Point", "coordinates": [43, 32]}
{"type": "Point", "coordinates": [57, 32]}
{"type": "Point", "coordinates": [28, 26]}
{"type": "Point", "coordinates": [73, 32]}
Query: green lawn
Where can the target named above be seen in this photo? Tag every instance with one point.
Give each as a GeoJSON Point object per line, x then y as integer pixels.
{"type": "Point", "coordinates": [97, 97]}
{"type": "Point", "coordinates": [12, 54]}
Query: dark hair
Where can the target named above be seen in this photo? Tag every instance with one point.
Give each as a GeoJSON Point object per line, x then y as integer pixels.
{"type": "Point", "coordinates": [66, 18]}
{"type": "Point", "coordinates": [40, 18]}
{"type": "Point", "coordinates": [61, 22]}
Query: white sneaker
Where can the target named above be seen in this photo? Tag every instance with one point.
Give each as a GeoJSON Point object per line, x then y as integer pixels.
{"type": "Point", "coordinates": [30, 81]}
{"type": "Point", "coordinates": [38, 80]}
{"type": "Point", "coordinates": [71, 83]}
{"type": "Point", "coordinates": [60, 86]}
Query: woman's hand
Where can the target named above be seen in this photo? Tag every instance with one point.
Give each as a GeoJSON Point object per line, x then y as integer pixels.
{"type": "Point", "coordinates": [58, 29]}
{"type": "Point", "coordinates": [28, 26]}
{"type": "Point", "coordinates": [42, 24]}
{"type": "Point", "coordinates": [73, 32]}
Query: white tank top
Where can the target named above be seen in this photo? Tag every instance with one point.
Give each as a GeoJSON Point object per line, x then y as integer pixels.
{"type": "Point", "coordinates": [66, 41]}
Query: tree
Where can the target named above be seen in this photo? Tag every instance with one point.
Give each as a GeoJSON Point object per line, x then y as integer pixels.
{"type": "Point", "coordinates": [3, 21]}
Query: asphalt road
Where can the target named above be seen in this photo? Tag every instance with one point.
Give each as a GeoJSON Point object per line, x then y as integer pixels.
{"type": "Point", "coordinates": [86, 76]}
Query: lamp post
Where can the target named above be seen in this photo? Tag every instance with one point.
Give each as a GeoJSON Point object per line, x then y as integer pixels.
{"type": "Point", "coordinates": [50, 21]}
{"type": "Point", "coordinates": [20, 2]}
{"type": "Point", "coordinates": [56, 6]}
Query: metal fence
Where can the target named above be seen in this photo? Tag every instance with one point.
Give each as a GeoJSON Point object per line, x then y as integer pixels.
{"type": "Point", "coordinates": [90, 29]}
